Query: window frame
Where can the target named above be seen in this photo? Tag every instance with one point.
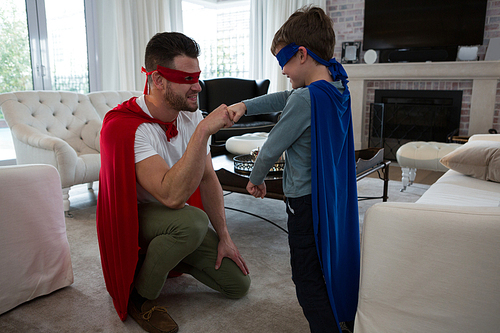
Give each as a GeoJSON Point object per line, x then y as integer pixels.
{"type": "Point", "coordinates": [37, 30]}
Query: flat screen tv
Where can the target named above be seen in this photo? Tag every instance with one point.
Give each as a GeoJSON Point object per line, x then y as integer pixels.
{"type": "Point", "coordinates": [421, 25]}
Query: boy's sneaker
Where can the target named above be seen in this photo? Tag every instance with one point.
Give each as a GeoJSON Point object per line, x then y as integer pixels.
{"type": "Point", "coordinates": [152, 318]}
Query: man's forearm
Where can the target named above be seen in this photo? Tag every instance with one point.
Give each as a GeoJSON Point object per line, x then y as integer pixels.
{"type": "Point", "coordinates": [213, 203]}
{"type": "Point", "coordinates": [185, 175]}
{"type": "Point", "coordinates": [172, 186]}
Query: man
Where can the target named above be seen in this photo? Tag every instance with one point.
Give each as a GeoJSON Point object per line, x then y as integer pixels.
{"type": "Point", "coordinates": [155, 159]}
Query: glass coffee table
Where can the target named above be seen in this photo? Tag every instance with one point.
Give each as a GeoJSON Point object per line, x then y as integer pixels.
{"type": "Point", "coordinates": [234, 181]}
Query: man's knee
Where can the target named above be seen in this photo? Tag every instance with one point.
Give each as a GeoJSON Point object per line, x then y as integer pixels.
{"type": "Point", "coordinates": [237, 284]}
{"type": "Point", "coordinates": [242, 287]}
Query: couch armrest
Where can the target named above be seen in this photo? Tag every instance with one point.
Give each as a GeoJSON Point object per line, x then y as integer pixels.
{"type": "Point", "coordinates": [35, 147]}
{"type": "Point", "coordinates": [487, 137]}
{"type": "Point", "coordinates": [34, 138]}
{"type": "Point", "coordinates": [429, 268]}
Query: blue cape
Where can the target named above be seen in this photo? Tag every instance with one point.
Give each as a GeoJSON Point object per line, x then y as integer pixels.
{"type": "Point", "coordinates": [334, 193]}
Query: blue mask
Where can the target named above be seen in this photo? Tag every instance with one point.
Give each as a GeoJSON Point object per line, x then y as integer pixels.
{"type": "Point", "coordinates": [336, 69]}
{"type": "Point", "coordinates": [286, 53]}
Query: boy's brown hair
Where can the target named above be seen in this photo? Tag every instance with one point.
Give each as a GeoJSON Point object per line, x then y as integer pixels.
{"type": "Point", "coordinates": [309, 27]}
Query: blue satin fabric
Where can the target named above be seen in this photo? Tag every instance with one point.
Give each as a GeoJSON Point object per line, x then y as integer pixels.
{"type": "Point", "coordinates": [334, 195]}
{"type": "Point", "coordinates": [286, 53]}
{"type": "Point", "coordinates": [336, 69]}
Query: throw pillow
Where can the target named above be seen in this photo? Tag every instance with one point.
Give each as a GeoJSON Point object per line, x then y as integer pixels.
{"type": "Point", "coordinates": [479, 159]}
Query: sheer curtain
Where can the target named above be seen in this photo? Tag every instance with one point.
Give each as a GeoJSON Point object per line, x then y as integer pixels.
{"type": "Point", "coordinates": [266, 17]}
{"type": "Point", "coordinates": [125, 27]}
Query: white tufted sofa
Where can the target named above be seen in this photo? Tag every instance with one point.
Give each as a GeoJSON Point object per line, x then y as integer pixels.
{"type": "Point", "coordinates": [61, 129]}
{"type": "Point", "coordinates": [433, 265]}
{"type": "Point", "coordinates": [103, 101]}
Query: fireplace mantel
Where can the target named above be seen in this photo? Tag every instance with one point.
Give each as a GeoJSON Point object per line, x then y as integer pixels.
{"type": "Point", "coordinates": [484, 74]}
{"type": "Point", "coordinates": [425, 70]}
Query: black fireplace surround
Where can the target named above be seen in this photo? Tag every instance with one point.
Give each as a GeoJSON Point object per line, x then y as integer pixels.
{"type": "Point", "coordinates": [401, 116]}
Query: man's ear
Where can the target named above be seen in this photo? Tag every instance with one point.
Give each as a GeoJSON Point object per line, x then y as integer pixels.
{"type": "Point", "coordinates": [158, 80]}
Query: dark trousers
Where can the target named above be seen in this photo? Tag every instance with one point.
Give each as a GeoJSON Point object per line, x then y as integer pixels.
{"type": "Point", "coordinates": [306, 268]}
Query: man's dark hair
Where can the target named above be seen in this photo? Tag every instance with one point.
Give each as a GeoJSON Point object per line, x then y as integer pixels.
{"type": "Point", "coordinates": [165, 46]}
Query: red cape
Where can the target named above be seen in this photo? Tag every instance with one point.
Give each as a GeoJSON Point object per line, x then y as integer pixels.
{"type": "Point", "coordinates": [117, 222]}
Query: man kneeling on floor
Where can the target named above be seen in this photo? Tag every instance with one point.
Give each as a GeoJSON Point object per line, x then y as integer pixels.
{"type": "Point", "coordinates": [156, 169]}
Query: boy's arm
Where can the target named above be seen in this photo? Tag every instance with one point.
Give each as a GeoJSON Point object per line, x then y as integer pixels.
{"type": "Point", "coordinates": [260, 105]}
{"type": "Point", "coordinates": [295, 119]}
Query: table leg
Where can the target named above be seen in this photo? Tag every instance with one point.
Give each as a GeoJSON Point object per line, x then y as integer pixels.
{"type": "Point", "coordinates": [386, 182]}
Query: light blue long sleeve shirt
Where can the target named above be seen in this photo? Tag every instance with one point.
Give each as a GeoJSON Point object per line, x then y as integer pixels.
{"type": "Point", "coordinates": [292, 134]}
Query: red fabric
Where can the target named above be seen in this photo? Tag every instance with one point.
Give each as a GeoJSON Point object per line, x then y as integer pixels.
{"type": "Point", "coordinates": [117, 222]}
{"type": "Point", "coordinates": [173, 75]}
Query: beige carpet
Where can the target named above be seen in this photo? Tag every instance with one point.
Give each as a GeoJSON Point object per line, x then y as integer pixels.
{"type": "Point", "coordinates": [270, 305]}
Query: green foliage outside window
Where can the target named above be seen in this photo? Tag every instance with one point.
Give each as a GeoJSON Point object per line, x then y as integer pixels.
{"type": "Point", "coordinates": [15, 62]}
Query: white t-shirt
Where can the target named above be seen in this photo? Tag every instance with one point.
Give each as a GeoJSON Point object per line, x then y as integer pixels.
{"type": "Point", "coordinates": [150, 139]}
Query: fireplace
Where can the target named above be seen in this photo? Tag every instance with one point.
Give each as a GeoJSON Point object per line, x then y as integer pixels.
{"type": "Point", "coordinates": [401, 116]}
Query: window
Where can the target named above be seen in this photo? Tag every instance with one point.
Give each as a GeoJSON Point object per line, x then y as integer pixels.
{"type": "Point", "coordinates": [222, 31]}
{"type": "Point", "coordinates": [15, 69]}
{"type": "Point", "coordinates": [44, 47]}
{"type": "Point", "coordinates": [67, 45]}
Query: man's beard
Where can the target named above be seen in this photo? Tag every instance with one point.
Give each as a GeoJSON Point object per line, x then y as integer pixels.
{"type": "Point", "coordinates": [178, 102]}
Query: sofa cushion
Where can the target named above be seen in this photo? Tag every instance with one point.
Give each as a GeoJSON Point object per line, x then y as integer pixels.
{"type": "Point", "coordinates": [479, 159]}
{"type": "Point", "coordinates": [457, 189]}
{"type": "Point", "coordinates": [429, 268]}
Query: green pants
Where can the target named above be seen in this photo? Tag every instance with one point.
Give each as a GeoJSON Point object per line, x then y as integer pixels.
{"type": "Point", "coordinates": [180, 240]}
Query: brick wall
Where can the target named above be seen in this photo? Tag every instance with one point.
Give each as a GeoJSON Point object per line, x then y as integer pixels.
{"type": "Point", "coordinates": [348, 18]}
{"type": "Point", "coordinates": [496, 117]}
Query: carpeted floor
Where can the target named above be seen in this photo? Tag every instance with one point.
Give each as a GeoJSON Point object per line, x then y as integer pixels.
{"type": "Point", "coordinates": [270, 305]}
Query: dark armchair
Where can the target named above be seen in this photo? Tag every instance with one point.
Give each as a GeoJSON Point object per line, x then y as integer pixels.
{"type": "Point", "coordinates": [228, 91]}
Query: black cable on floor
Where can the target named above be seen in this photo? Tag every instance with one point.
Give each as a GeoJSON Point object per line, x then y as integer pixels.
{"type": "Point", "coordinates": [255, 215]}
{"type": "Point", "coordinates": [260, 217]}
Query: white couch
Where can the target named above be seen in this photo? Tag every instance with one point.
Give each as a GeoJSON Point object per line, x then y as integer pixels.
{"type": "Point", "coordinates": [61, 129]}
{"type": "Point", "coordinates": [34, 249]}
{"type": "Point", "coordinates": [434, 265]}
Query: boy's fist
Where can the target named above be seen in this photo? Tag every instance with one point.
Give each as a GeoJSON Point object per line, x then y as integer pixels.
{"type": "Point", "coordinates": [236, 111]}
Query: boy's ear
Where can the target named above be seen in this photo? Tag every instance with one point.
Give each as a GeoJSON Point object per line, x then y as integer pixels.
{"type": "Point", "coordinates": [302, 54]}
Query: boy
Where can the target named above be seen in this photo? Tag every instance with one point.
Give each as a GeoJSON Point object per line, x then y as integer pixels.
{"type": "Point", "coordinates": [319, 179]}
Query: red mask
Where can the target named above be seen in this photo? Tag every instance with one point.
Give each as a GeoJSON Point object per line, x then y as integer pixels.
{"type": "Point", "coordinates": [173, 75]}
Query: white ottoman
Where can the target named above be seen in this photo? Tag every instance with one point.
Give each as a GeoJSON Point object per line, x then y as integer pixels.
{"type": "Point", "coordinates": [422, 155]}
{"type": "Point", "coordinates": [244, 144]}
